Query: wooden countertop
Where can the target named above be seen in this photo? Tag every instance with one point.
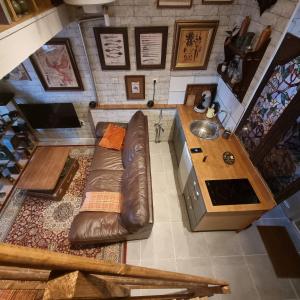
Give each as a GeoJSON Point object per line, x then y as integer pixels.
{"type": "Point", "coordinates": [216, 168]}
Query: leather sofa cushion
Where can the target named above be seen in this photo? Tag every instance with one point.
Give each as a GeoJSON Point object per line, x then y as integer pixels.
{"type": "Point", "coordinates": [92, 227]}
{"type": "Point", "coordinates": [104, 180]}
{"type": "Point", "coordinates": [134, 208]}
{"type": "Point", "coordinates": [101, 127]}
{"type": "Point", "coordinates": [106, 159]}
{"type": "Point", "coordinates": [135, 138]}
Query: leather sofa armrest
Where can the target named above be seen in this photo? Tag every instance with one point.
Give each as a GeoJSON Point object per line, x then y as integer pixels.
{"type": "Point", "coordinates": [101, 127]}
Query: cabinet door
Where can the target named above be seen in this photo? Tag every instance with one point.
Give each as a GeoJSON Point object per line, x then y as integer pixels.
{"type": "Point", "coordinates": [189, 207]}
{"type": "Point", "coordinates": [196, 196]}
{"type": "Point", "coordinates": [194, 200]}
{"type": "Point", "coordinates": [178, 139]}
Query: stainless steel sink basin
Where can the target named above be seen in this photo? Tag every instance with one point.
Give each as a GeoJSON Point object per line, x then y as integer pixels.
{"type": "Point", "coordinates": [205, 129]}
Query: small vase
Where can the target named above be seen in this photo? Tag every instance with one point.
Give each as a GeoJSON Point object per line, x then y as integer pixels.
{"type": "Point", "coordinates": [24, 6]}
{"type": "Point", "coordinates": [16, 6]}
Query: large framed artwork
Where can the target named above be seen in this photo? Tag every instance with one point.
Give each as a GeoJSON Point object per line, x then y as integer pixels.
{"type": "Point", "coordinates": [193, 41]}
{"type": "Point", "coordinates": [56, 67]}
{"type": "Point", "coordinates": [174, 3]}
{"type": "Point", "coordinates": [113, 49]}
{"type": "Point", "coordinates": [135, 87]}
{"type": "Point", "coordinates": [217, 1]}
{"type": "Point", "coordinates": [151, 47]}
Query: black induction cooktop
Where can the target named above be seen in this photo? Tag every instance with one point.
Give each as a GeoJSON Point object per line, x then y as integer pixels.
{"type": "Point", "coordinates": [231, 192]}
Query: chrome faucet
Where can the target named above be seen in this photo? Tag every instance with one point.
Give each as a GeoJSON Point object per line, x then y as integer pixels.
{"type": "Point", "coordinates": [225, 117]}
{"type": "Point", "coordinates": [158, 128]}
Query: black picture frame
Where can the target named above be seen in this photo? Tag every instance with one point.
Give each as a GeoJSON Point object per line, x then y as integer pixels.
{"type": "Point", "coordinates": [113, 48]}
{"type": "Point", "coordinates": [44, 77]}
{"type": "Point", "coordinates": [150, 34]}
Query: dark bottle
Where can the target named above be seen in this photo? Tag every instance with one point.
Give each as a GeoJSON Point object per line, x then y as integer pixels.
{"type": "Point", "coordinates": [16, 6]}
{"type": "Point", "coordinates": [24, 6]}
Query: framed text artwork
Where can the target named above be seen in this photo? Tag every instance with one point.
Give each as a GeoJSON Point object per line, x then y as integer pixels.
{"type": "Point", "coordinates": [56, 67]}
{"type": "Point", "coordinates": [193, 41]}
{"type": "Point", "coordinates": [174, 3]}
{"type": "Point", "coordinates": [113, 49]}
{"type": "Point", "coordinates": [135, 87]}
{"type": "Point", "coordinates": [151, 47]}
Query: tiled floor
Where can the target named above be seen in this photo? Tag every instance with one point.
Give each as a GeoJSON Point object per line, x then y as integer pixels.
{"type": "Point", "coordinates": [240, 258]}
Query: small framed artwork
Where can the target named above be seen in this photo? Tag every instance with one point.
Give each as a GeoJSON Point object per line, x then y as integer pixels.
{"type": "Point", "coordinates": [135, 87]}
{"type": "Point", "coordinates": [151, 47]}
{"type": "Point", "coordinates": [193, 93]}
{"type": "Point", "coordinates": [56, 67]}
{"type": "Point", "coordinates": [174, 3]}
{"type": "Point", "coordinates": [18, 73]}
{"type": "Point", "coordinates": [217, 1]}
{"type": "Point", "coordinates": [113, 49]}
{"type": "Point", "coordinates": [193, 41]}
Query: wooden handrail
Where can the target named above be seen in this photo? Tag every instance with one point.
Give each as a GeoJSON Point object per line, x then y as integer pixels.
{"type": "Point", "coordinates": [64, 276]}
{"type": "Point", "coordinates": [18, 256]}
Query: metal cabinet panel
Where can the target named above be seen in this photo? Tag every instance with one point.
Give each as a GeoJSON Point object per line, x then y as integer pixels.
{"type": "Point", "coordinates": [196, 196]}
{"type": "Point", "coordinates": [178, 139]}
{"type": "Point", "coordinates": [194, 200]}
{"type": "Point", "coordinates": [185, 166]}
{"type": "Point", "coordinates": [189, 207]}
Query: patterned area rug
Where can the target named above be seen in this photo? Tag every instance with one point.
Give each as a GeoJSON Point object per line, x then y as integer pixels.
{"type": "Point", "coordinates": [41, 223]}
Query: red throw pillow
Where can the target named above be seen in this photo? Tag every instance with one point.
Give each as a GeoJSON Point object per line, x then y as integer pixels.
{"type": "Point", "coordinates": [113, 137]}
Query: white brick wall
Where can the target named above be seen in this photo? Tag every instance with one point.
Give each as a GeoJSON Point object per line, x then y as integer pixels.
{"type": "Point", "coordinates": [110, 87]}
{"type": "Point", "coordinates": [152, 114]}
{"type": "Point", "coordinates": [278, 16]}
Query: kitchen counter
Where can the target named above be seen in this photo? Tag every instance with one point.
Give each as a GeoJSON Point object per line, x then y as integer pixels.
{"type": "Point", "coordinates": [215, 168]}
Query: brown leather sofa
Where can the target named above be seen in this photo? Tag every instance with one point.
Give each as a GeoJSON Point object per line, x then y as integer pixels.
{"type": "Point", "coordinates": [127, 171]}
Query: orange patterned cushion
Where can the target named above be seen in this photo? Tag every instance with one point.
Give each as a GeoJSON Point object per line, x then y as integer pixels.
{"type": "Point", "coordinates": [102, 201]}
{"type": "Point", "coordinates": [113, 137]}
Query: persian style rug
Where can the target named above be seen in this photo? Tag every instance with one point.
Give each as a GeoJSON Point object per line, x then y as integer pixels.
{"type": "Point", "coordinates": [41, 223]}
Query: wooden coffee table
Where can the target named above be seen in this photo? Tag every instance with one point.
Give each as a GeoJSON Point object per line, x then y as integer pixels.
{"type": "Point", "coordinates": [44, 169]}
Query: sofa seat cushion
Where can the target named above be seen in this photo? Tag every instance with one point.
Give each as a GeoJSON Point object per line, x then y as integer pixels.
{"type": "Point", "coordinates": [106, 159]}
{"type": "Point", "coordinates": [104, 180]}
{"type": "Point", "coordinates": [96, 227]}
{"type": "Point", "coordinates": [135, 208]}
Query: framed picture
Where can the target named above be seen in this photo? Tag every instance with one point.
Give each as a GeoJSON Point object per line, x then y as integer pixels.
{"type": "Point", "coordinates": [151, 47]}
{"type": "Point", "coordinates": [113, 49]}
{"type": "Point", "coordinates": [193, 41]}
{"type": "Point", "coordinates": [19, 73]}
{"type": "Point", "coordinates": [135, 87]}
{"type": "Point", "coordinates": [193, 93]}
{"type": "Point", "coordinates": [217, 1]}
{"type": "Point", "coordinates": [174, 3]}
{"type": "Point", "coordinates": [56, 67]}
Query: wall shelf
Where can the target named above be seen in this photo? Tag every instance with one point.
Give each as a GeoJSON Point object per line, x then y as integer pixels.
{"type": "Point", "coordinates": [250, 63]}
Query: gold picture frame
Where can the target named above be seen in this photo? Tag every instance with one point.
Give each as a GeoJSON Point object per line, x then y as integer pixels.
{"type": "Point", "coordinates": [193, 41]}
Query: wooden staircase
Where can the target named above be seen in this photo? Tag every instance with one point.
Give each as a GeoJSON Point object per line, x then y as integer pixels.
{"type": "Point", "coordinates": [32, 274]}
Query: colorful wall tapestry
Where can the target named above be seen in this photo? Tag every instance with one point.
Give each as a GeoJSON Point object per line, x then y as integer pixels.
{"type": "Point", "coordinates": [281, 166]}
{"type": "Point", "coordinates": [280, 89]}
